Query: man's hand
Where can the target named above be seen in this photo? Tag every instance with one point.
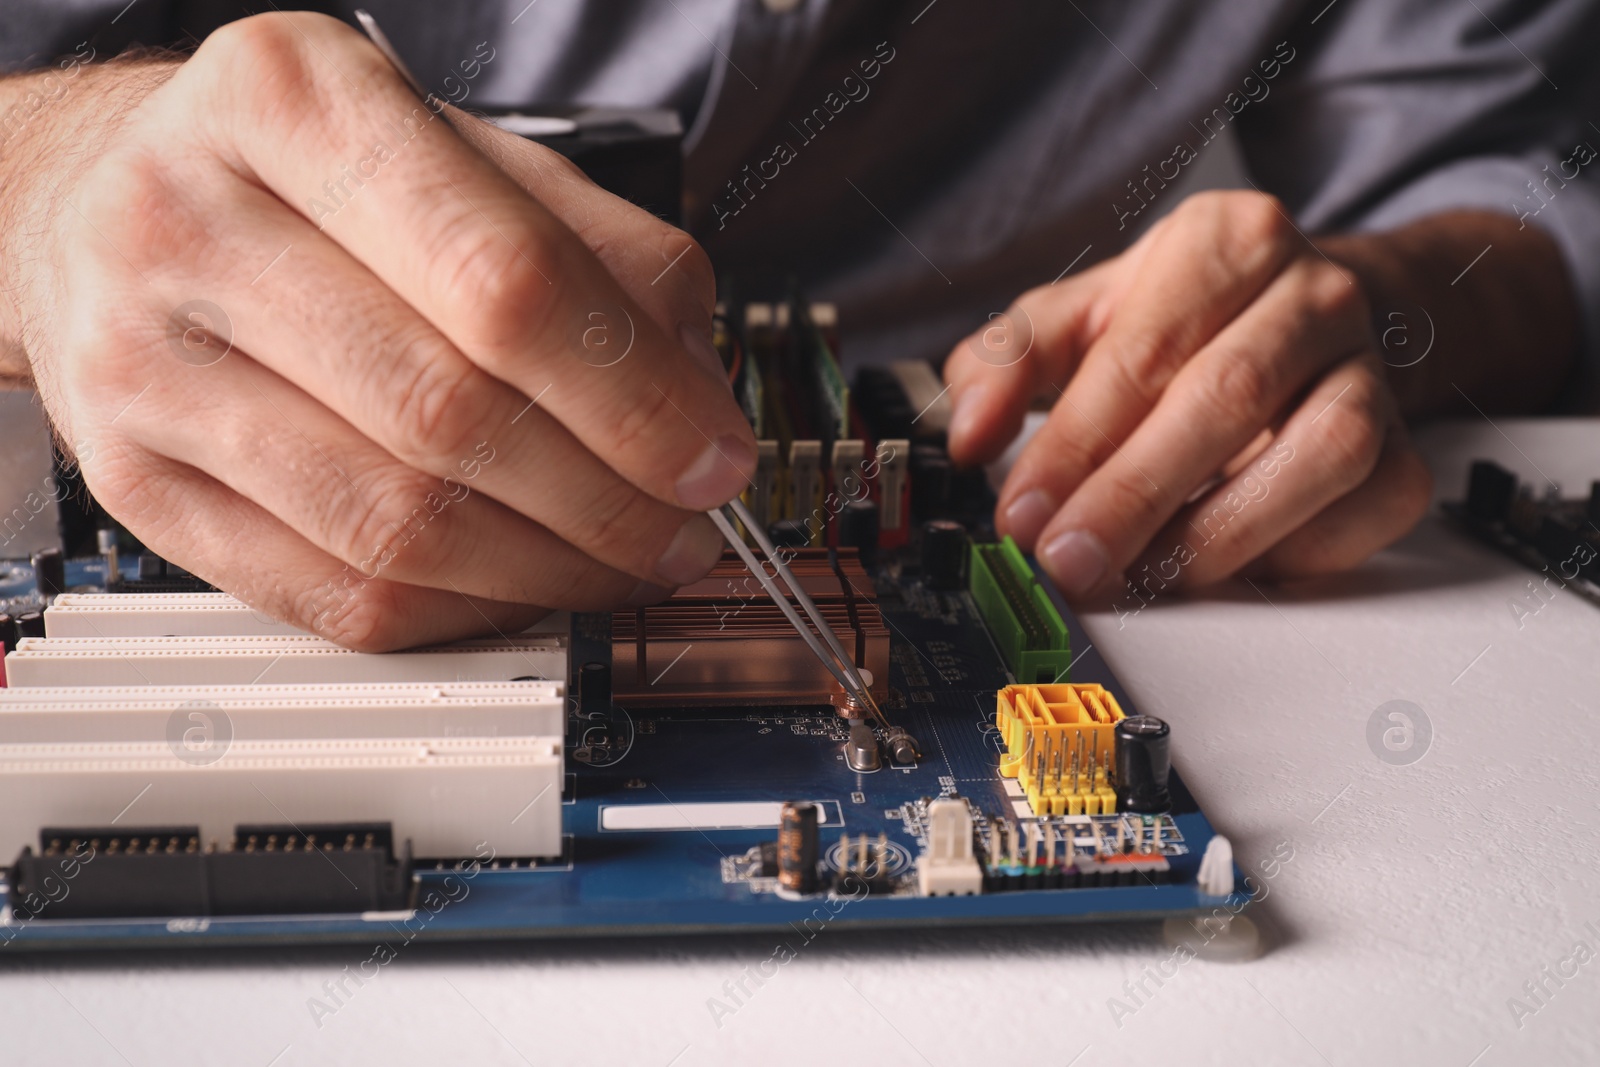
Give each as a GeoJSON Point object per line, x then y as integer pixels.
{"type": "Point", "coordinates": [1217, 403]}
{"type": "Point", "coordinates": [385, 381]}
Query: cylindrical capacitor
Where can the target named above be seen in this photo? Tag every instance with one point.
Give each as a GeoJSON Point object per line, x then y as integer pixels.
{"type": "Point", "coordinates": [858, 529]}
{"type": "Point", "coordinates": [944, 553]}
{"type": "Point", "coordinates": [50, 572]}
{"type": "Point", "coordinates": [8, 632]}
{"type": "Point", "coordinates": [930, 482]}
{"type": "Point", "coordinates": [789, 533]}
{"type": "Point", "coordinates": [797, 847]}
{"type": "Point", "coordinates": [1143, 762]}
{"type": "Point", "coordinates": [594, 688]}
{"type": "Point", "coordinates": [30, 624]}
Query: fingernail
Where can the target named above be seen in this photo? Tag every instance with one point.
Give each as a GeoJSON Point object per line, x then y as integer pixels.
{"type": "Point", "coordinates": [968, 407]}
{"type": "Point", "coordinates": [719, 474]}
{"type": "Point", "coordinates": [694, 550]}
{"type": "Point", "coordinates": [1026, 516]}
{"type": "Point", "coordinates": [646, 593]}
{"type": "Point", "coordinates": [700, 347]}
{"type": "Point", "coordinates": [1076, 560]}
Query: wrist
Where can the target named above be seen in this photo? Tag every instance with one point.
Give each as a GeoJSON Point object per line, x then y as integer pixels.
{"type": "Point", "coordinates": [1468, 308]}
{"type": "Point", "coordinates": [52, 123]}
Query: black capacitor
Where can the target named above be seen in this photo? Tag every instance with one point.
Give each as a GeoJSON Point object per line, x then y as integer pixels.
{"type": "Point", "coordinates": [930, 482]}
{"type": "Point", "coordinates": [789, 533]}
{"type": "Point", "coordinates": [50, 572]}
{"type": "Point", "coordinates": [858, 529]}
{"type": "Point", "coordinates": [944, 554]}
{"type": "Point", "coordinates": [1143, 762]}
{"type": "Point", "coordinates": [30, 624]}
{"type": "Point", "coordinates": [1490, 490]}
{"type": "Point", "coordinates": [797, 847]}
{"type": "Point", "coordinates": [8, 632]}
{"type": "Point", "coordinates": [594, 688]}
{"type": "Point", "coordinates": [151, 568]}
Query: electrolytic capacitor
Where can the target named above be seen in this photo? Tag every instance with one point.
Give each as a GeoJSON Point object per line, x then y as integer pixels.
{"type": "Point", "coordinates": [8, 632]}
{"type": "Point", "coordinates": [944, 554]}
{"type": "Point", "coordinates": [594, 688]}
{"type": "Point", "coordinates": [797, 847]}
{"type": "Point", "coordinates": [1143, 762]}
{"type": "Point", "coordinates": [930, 482]}
{"type": "Point", "coordinates": [789, 533]}
{"type": "Point", "coordinates": [30, 624]}
{"type": "Point", "coordinates": [50, 572]}
{"type": "Point", "coordinates": [858, 529]}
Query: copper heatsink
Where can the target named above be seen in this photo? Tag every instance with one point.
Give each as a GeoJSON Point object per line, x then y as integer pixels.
{"type": "Point", "coordinates": [723, 640]}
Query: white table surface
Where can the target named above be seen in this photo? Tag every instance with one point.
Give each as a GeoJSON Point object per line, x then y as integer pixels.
{"type": "Point", "coordinates": [1418, 901]}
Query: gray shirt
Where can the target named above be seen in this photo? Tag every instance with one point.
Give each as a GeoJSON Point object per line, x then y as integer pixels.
{"type": "Point", "coordinates": [922, 163]}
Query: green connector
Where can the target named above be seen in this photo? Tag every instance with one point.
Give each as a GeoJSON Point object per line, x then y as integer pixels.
{"type": "Point", "coordinates": [1025, 625]}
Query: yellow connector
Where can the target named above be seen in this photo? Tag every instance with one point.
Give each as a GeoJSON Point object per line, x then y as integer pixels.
{"type": "Point", "coordinates": [1058, 744]}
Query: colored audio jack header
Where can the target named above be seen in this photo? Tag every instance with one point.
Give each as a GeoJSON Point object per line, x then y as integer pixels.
{"type": "Point", "coordinates": [1039, 855]}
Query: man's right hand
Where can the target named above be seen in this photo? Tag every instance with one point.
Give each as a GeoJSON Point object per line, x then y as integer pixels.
{"type": "Point", "coordinates": [386, 381]}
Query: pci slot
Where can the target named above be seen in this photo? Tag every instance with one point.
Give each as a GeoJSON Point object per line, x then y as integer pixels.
{"type": "Point", "coordinates": [282, 660]}
{"type": "Point", "coordinates": [847, 480]}
{"type": "Point", "coordinates": [765, 492]}
{"type": "Point", "coordinates": [447, 796]}
{"type": "Point", "coordinates": [894, 492]}
{"type": "Point", "coordinates": [198, 720]}
{"type": "Point", "coordinates": [1025, 625]}
{"type": "Point", "coordinates": [158, 615]}
{"type": "Point", "coordinates": [181, 615]}
{"type": "Point", "coordinates": [805, 483]}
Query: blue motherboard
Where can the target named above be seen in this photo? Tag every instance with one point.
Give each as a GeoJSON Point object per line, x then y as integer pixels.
{"type": "Point", "coordinates": [654, 801]}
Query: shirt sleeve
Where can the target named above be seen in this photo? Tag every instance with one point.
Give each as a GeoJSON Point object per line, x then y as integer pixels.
{"type": "Point", "coordinates": [1398, 110]}
{"type": "Point", "coordinates": [35, 33]}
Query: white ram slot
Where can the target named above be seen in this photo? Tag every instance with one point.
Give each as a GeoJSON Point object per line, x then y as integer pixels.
{"type": "Point", "coordinates": [297, 660]}
{"type": "Point", "coordinates": [158, 615]}
{"type": "Point", "coordinates": [449, 796]}
{"type": "Point", "coordinates": [196, 718]}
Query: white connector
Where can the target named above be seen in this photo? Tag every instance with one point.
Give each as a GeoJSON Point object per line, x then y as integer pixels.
{"type": "Point", "coordinates": [52, 714]}
{"type": "Point", "coordinates": [947, 866]}
{"type": "Point", "coordinates": [448, 796]}
{"type": "Point", "coordinates": [158, 615]}
{"type": "Point", "coordinates": [275, 659]}
{"type": "Point", "coordinates": [1215, 878]}
{"type": "Point", "coordinates": [185, 615]}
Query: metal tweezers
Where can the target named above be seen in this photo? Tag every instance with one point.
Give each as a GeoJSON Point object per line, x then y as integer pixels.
{"type": "Point", "coordinates": [832, 655]}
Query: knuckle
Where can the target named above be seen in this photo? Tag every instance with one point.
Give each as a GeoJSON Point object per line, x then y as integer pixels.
{"type": "Point", "coordinates": [130, 198]}
{"type": "Point", "coordinates": [506, 274]}
{"type": "Point", "coordinates": [387, 523]}
{"type": "Point", "coordinates": [1241, 386]}
{"type": "Point", "coordinates": [355, 613]}
{"type": "Point", "coordinates": [1144, 365]}
{"type": "Point", "coordinates": [438, 405]}
{"type": "Point", "coordinates": [1332, 295]}
{"type": "Point", "coordinates": [123, 485]}
{"type": "Point", "coordinates": [263, 58]}
{"type": "Point", "coordinates": [1350, 433]}
{"type": "Point", "coordinates": [618, 522]}
{"type": "Point", "coordinates": [638, 422]}
{"type": "Point", "coordinates": [1133, 503]}
{"type": "Point", "coordinates": [1257, 219]}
